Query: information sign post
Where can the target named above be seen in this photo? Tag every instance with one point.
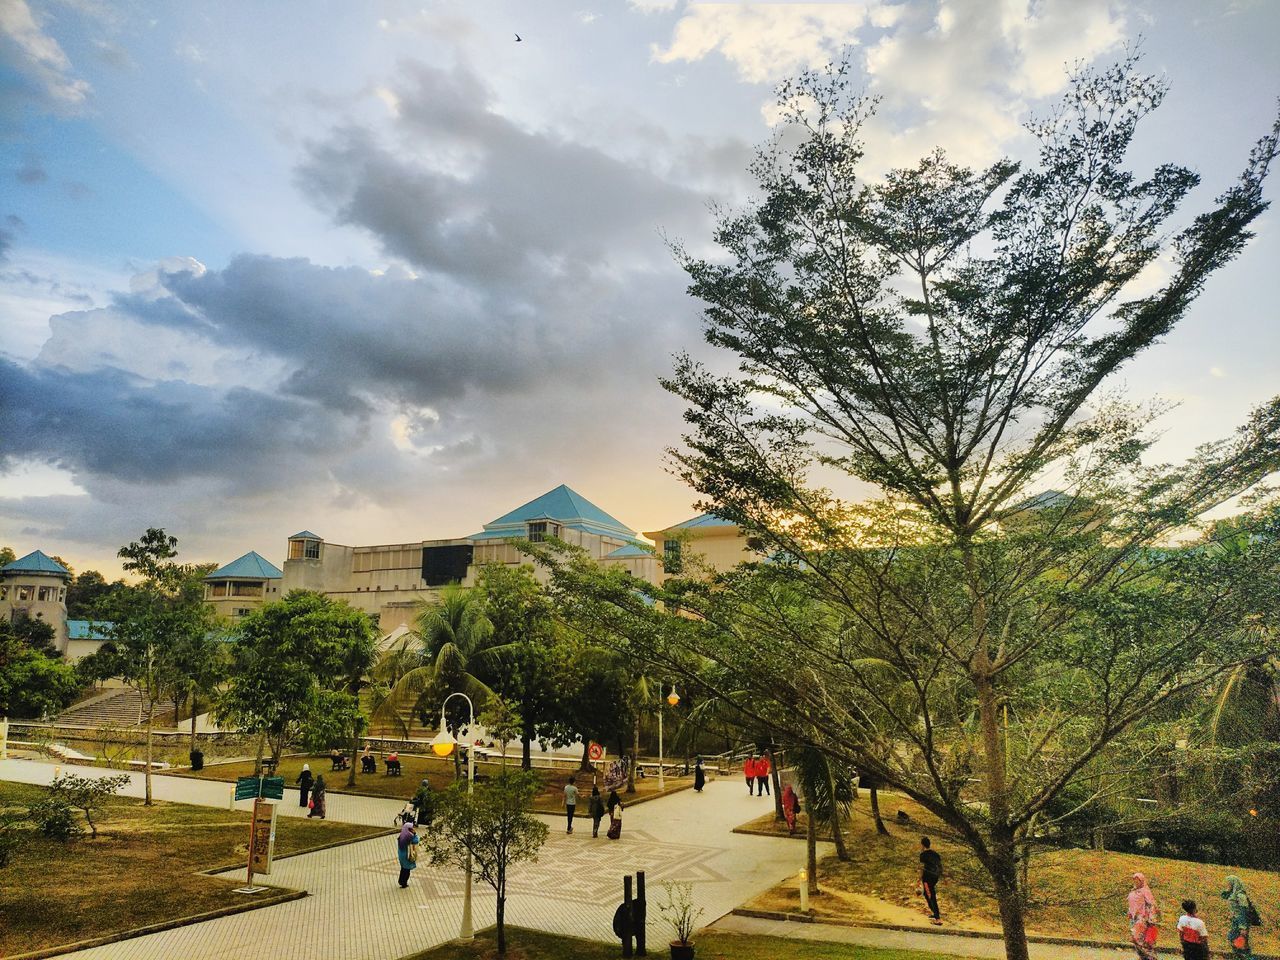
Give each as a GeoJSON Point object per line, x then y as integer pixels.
{"type": "Point", "coordinates": [262, 825]}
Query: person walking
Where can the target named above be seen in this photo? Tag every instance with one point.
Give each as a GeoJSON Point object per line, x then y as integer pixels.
{"type": "Point", "coordinates": [1142, 917]}
{"type": "Point", "coordinates": [407, 850]}
{"type": "Point", "coordinates": [1243, 916]}
{"type": "Point", "coordinates": [699, 776]}
{"type": "Point", "coordinates": [570, 802]}
{"type": "Point", "coordinates": [930, 874]}
{"type": "Point", "coordinates": [615, 807]}
{"type": "Point", "coordinates": [596, 808]}
{"type": "Point", "coordinates": [423, 803]}
{"type": "Point", "coordinates": [318, 791]}
{"type": "Point", "coordinates": [1192, 933]}
{"type": "Point", "coordinates": [762, 776]}
{"type": "Point", "coordinates": [304, 784]}
{"type": "Point", "coordinates": [790, 807]}
{"type": "Point", "coordinates": [749, 774]}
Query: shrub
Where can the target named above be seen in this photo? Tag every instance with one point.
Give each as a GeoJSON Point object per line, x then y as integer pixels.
{"type": "Point", "coordinates": [87, 794]}
{"type": "Point", "coordinates": [55, 819]}
{"type": "Point", "coordinates": [10, 837]}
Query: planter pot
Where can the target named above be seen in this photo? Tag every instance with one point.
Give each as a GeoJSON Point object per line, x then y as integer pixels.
{"type": "Point", "coordinates": [682, 951]}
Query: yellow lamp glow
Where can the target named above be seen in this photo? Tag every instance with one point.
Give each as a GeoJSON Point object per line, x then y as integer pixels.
{"type": "Point", "coordinates": [444, 742]}
{"type": "Point", "coordinates": [673, 698]}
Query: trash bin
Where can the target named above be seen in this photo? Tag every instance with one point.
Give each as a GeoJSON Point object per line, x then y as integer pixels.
{"type": "Point", "coordinates": [197, 759]}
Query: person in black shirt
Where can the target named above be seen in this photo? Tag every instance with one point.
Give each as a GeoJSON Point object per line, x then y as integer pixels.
{"type": "Point", "coordinates": [930, 874]}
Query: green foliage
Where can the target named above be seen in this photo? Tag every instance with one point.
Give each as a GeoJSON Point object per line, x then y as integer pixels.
{"type": "Point", "coordinates": [88, 594]}
{"type": "Point", "coordinates": [34, 681]}
{"type": "Point", "coordinates": [7, 556]}
{"type": "Point", "coordinates": [89, 795]}
{"type": "Point", "coordinates": [54, 818]}
{"type": "Point", "coordinates": [11, 833]}
{"type": "Point", "coordinates": [678, 909]}
{"type": "Point", "coordinates": [292, 666]}
{"type": "Point", "coordinates": [490, 830]}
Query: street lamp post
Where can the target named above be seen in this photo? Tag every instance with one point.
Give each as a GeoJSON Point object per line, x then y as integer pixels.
{"type": "Point", "coordinates": [672, 698]}
{"type": "Point", "coordinates": [443, 745]}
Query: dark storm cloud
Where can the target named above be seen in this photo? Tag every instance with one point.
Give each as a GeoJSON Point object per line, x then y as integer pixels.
{"type": "Point", "coordinates": [494, 204]}
{"type": "Point", "coordinates": [108, 422]}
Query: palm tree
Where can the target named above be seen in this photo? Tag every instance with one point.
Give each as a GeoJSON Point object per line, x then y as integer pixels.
{"type": "Point", "coordinates": [452, 635]}
{"type": "Point", "coordinates": [828, 792]}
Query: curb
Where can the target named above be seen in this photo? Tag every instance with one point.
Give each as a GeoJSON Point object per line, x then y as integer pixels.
{"type": "Point", "coordinates": [285, 896]}
{"type": "Point", "coordinates": [973, 934]}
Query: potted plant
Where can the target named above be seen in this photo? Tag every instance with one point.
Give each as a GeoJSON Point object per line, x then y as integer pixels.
{"type": "Point", "coordinates": [678, 910]}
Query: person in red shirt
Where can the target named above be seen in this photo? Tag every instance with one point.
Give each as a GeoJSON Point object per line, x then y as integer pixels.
{"type": "Point", "coordinates": [749, 773]}
{"type": "Point", "coordinates": [762, 776]}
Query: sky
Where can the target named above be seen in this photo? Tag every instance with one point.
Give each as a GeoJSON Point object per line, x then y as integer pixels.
{"type": "Point", "coordinates": [383, 272]}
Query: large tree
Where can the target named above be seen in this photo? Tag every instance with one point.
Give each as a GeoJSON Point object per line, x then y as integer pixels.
{"type": "Point", "coordinates": [150, 622]}
{"type": "Point", "coordinates": [937, 342]}
{"type": "Point", "coordinates": [294, 665]}
{"type": "Point", "coordinates": [34, 679]}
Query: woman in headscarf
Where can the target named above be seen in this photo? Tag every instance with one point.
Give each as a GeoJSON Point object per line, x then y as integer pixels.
{"type": "Point", "coordinates": [423, 803]}
{"type": "Point", "coordinates": [699, 776]}
{"type": "Point", "coordinates": [318, 791]}
{"type": "Point", "coordinates": [304, 784]}
{"type": "Point", "coordinates": [1242, 916]}
{"type": "Point", "coordinates": [407, 850]}
{"type": "Point", "coordinates": [1142, 917]}
{"type": "Point", "coordinates": [790, 806]}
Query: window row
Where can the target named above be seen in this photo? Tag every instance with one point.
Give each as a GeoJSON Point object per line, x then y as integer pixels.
{"type": "Point", "coordinates": [26, 592]}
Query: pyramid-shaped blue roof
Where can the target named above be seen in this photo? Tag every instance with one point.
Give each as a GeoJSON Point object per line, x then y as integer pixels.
{"type": "Point", "coordinates": [563, 505]}
{"type": "Point", "coordinates": [630, 550]}
{"type": "Point", "coordinates": [37, 561]}
{"type": "Point", "coordinates": [251, 566]}
{"type": "Point", "coordinates": [306, 535]}
{"type": "Point", "coordinates": [703, 520]}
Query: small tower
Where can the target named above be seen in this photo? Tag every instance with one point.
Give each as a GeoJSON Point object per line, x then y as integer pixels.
{"type": "Point", "coordinates": [243, 585]}
{"type": "Point", "coordinates": [36, 585]}
{"type": "Point", "coordinates": [304, 563]}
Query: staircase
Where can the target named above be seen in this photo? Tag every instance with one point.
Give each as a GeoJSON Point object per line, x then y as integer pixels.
{"type": "Point", "coordinates": [394, 731]}
{"type": "Point", "coordinates": [112, 708]}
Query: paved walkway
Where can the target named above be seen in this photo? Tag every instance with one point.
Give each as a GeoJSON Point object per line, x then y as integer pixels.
{"type": "Point", "coordinates": [933, 944]}
{"type": "Point", "coordinates": [356, 911]}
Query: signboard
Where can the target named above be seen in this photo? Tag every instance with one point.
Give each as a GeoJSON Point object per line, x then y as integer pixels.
{"type": "Point", "coordinates": [272, 787]}
{"type": "Point", "coordinates": [262, 838]}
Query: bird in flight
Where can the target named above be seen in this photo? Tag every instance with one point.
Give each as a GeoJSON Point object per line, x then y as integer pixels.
{"type": "Point", "coordinates": [519, 39]}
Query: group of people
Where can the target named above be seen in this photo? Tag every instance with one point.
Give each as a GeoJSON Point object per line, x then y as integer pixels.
{"type": "Point", "coordinates": [755, 770]}
{"type": "Point", "coordinates": [1193, 933]}
{"type": "Point", "coordinates": [312, 791]}
{"type": "Point", "coordinates": [597, 807]}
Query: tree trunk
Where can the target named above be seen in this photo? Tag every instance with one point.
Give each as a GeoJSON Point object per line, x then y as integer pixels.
{"type": "Point", "coordinates": [635, 756]}
{"type": "Point", "coordinates": [526, 738]}
{"type": "Point", "coordinates": [1004, 873]}
{"type": "Point", "coordinates": [875, 809]}
{"type": "Point", "coordinates": [262, 747]}
{"type": "Point", "coordinates": [837, 834]}
{"type": "Point", "coordinates": [355, 749]}
{"type": "Point", "coordinates": [811, 842]}
{"type": "Point", "coordinates": [147, 776]}
{"type": "Point", "coordinates": [586, 757]}
{"type": "Point", "coordinates": [195, 703]}
{"type": "Point", "coordinates": [502, 929]}
{"type": "Point", "coordinates": [777, 785]}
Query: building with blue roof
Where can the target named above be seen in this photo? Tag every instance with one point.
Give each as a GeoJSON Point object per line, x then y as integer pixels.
{"type": "Point", "coordinates": [241, 586]}
{"type": "Point", "coordinates": [35, 586]}
{"type": "Point", "coordinates": [388, 580]}
{"type": "Point", "coordinates": [703, 544]}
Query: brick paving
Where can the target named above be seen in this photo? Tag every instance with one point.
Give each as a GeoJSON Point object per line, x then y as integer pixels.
{"type": "Point", "coordinates": [574, 887]}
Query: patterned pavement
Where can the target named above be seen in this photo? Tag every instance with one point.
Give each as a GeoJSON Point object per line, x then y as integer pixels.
{"type": "Point", "coordinates": [355, 911]}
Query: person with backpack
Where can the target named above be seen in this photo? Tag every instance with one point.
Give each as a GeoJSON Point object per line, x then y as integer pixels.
{"type": "Point", "coordinates": [930, 874]}
{"type": "Point", "coordinates": [596, 808]}
{"type": "Point", "coordinates": [1192, 933]}
{"type": "Point", "coordinates": [407, 850]}
{"type": "Point", "coordinates": [1243, 916]}
{"type": "Point", "coordinates": [319, 794]}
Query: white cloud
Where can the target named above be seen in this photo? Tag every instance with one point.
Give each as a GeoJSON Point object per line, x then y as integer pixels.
{"type": "Point", "coordinates": [770, 41]}
{"type": "Point", "coordinates": [39, 56]}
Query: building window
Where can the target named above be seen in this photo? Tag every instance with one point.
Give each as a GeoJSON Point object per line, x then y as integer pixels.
{"type": "Point", "coordinates": [671, 556]}
{"type": "Point", "coordinates": [540, 530]}
{"type": "Point", "coordinates": [312, 551]}
{"type": "Point", "coordinates": [218, 589]}
{"type": "Point", "coordinates": [4, 592]}
{"type": "Point", "coordinates": [24, 593]}
{"type": "Point", "coordinates": [241, 612]}
{"type": "Point", "coordinates": [62, 594]}
{"type": "Point", "coordinates": [47, 594]}
{"type": "Point", "coordinates": [246, 588]}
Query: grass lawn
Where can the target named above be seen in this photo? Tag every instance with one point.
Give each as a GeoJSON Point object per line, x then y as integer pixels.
{"type": "Point", "coordinates": [1075, 893]}
{"type": "Point", "coordinates": [533, 945]}
{"type": "Point", "coordinates": [439, 772]}
{"type": "Point", "coordinates": [142, 869]}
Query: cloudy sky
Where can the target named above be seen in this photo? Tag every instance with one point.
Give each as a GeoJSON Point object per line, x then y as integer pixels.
{"type": "Point", "coordinates": [382, 272]}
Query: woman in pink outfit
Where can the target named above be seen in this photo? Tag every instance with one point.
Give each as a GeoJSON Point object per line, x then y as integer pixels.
{"type": "Point", "coordinates": [1142, 917]}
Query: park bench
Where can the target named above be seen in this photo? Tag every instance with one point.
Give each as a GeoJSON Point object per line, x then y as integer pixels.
{"type": "Point", "coordinates": [393, 768]}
